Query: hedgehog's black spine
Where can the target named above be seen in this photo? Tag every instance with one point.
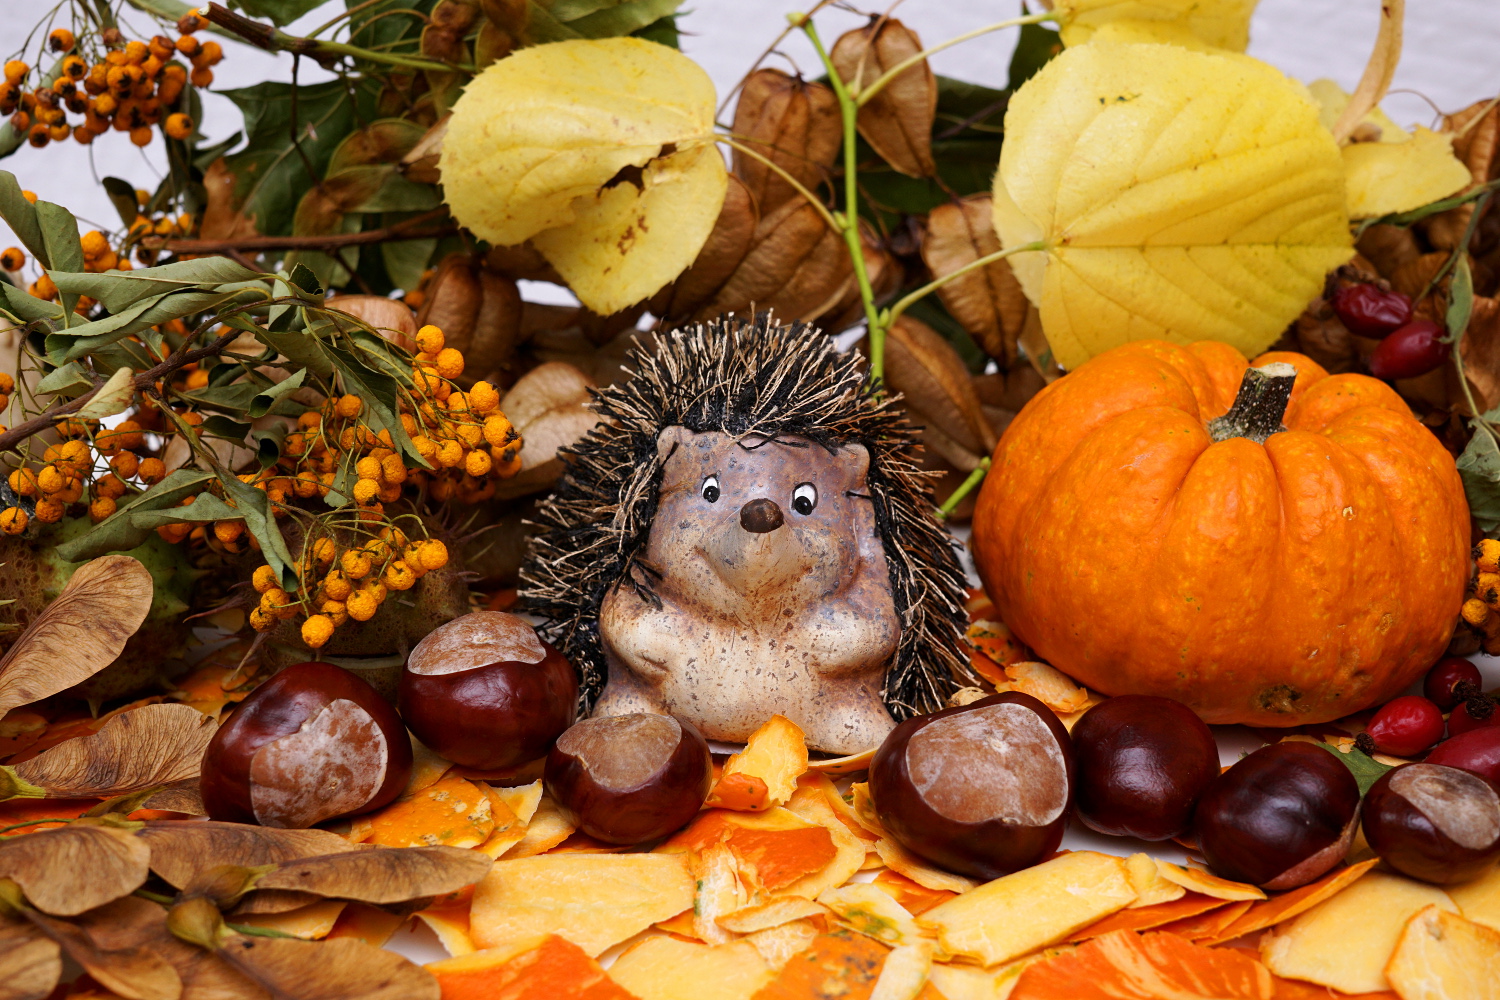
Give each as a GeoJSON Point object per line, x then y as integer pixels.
{"type": "Point", "coordinates": [743, 377]}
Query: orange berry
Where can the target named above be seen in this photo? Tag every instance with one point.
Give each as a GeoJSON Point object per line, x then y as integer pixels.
{"type": "Point", "coordinates": [202, 76]}
{"type": "Point", "coordinates": [125, 464]}
{"type": "Point", "coordinates": [23, 481]}
{"type": "Point", "coordinates": [317, 630]}
{"type": "Point", "coordinates": [151, 471]}
{"type": "Point", "coordinates": [188, 46]}
{"type": "Point", "coordinates": [37, 136]}
{"type": "Point", "coordinates": [136, 52]}
{"type": "Point", "coordinates": [179, 126]}
{"type": "Point", "coordinates": [15, 71]}
{"type": "Point", "coordinates": [429, 339]}
{"type": "Point", "coordinates": [60, 40]}
{"type": "Point", "coordinates": [477, 463]}
{"type": "Point", "coordinates": [13, 520]}
{"type": "Point", "coordinates": [349, 406]}
{"type": "Point", "coordinates": [50, 511]}
{"type": "Point", "coordinates": [211, 54]}
{"type": "Point", "coordinates": [75, 69]}
{"type": "Point", "coordinates": [85, 136]}
{"type": "Point", "coordinates": [141, 137]}
{"type": "Point", "coordinates": [101, 508]}
{"type": "Point", "coordinates": [450, 363]}
{"type": "Point", "coordinates": [13, 259]}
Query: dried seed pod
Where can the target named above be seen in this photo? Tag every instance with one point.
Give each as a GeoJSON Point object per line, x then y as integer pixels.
{"type": "Point", "coordinates": [453, 301]}
{"type": "Point", "coordinates": [511, 16]}
{"type": "Point", "coordinates": [733, 235]}
{"type": "Point", "coordinates": [988, 302]}
{"type": "Point", "coordinates": [391, 319]}
{"type": "Point", "coordinates": [497, 325]}
{"type": "Point", "coordinates": [885, 273]}
{"type": "Point", "coordinates": [792, 123]}
{"type": "Point", "coordinates": [939, 392]}
{"type": "Point", "coordinates": [897, 121]}
{"type": "Point", "coordinates": [549, 408]}
{"type": "Point", "coordinates": [796, 267]}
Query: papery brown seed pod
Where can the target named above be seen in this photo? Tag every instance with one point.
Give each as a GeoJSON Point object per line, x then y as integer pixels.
{"type": "Point", "coordinates": [1002, 394]}
{"type": "Point", "coordinates": [897, 121]}
{"type": "Point", "coordinates": [497, 326]}
{"type": "Point", "coordinates": [443, 44]}
{"type": "Point", "coordinates": [1477, 146]}
{"type": "Point", "coordinates": [885, 273]}
{"type": "Point", "coordinates": [391, 319]}
{"type": "Point", "coordinates": [549, 408]}
{"type": "Point", "coordinates": [420, 165]}
{"type": "Point", "coordinates": [454, 15]}
{"type": "Point", "coordinates": [987, 302]}
{"type": "Point", "coordinates": [453, 301]}
{"type": "Point", "coordinates": [728, 242]}
{"type": "Point", "coordinates": [939, 392]}
{"type": "Point", "coordinates": [796, 267]}
{"type": "Point", "coordinates": [794, 124]}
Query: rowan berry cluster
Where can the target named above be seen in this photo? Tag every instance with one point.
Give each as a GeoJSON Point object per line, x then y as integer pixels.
{"type": "Point", "coordinates": [130, 86]}
{"type": "Point", "coordinates": [1482, 609]}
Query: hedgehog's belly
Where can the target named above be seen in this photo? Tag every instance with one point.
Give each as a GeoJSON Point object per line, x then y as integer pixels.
{"type": "Point", "coordinates": [823, 671]}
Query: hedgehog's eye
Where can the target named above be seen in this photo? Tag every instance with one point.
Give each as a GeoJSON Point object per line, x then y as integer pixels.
{"type": "Point", "coordinates": [710, 489]}
{"type": "Point", "coordinates": [804, 498]}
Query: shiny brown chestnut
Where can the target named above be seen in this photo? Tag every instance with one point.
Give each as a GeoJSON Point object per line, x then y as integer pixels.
{"type": "Point", "coordinates": [1142, 764]}
{"type": "Point", "coordinates": [1438, 824]}
{"type": "Point", "coordinates": [311, 744]}
{"type": "Point", "coordinates": [486, 692]}
{"type": "Point", "coordinates": [627, 779]}
{"type": "Point", "coordinates": [983, 789]}
{"type": "Point", "coordinates": [1279, 818]}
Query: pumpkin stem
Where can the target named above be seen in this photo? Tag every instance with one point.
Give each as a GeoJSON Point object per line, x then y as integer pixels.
{"type": "Point", "coordinates": [1259, 405]}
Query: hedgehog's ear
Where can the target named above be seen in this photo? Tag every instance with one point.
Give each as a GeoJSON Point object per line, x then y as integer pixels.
{"type": "Point", "coordinates": [670, 439]}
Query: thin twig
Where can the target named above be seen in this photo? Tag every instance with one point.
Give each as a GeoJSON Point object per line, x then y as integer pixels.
{"type": "Point", "coordinates": [400, 231]}
{"type": "Point", "coordinates": [812, 200]}
{"type": "Point", "coordinates": [326, 53]}
{"type": "Point", "coordinates": [883, 80]}
{"type": "Point", "coordinates": [910, 300]}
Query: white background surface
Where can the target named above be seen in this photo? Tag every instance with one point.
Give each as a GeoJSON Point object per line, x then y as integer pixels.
{"type": "Point", "coordinates": [1452, 58]}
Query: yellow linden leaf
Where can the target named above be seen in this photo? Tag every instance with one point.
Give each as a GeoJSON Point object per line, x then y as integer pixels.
{"type": "Point", "coordinates": [1194, 24]}
{"type": "Point", "coordinates": [1384, 177]}
{"type": "Point", "coordinates": [1390, 169]}
{"type": "Point", "coordinates": [1181, 195]}
{"type": "Point", "coordinates": [600, 149]}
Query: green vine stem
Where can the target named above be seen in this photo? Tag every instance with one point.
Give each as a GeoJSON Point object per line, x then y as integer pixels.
{"type": "Point", "coordinates": [812, 199]}
{"type": "Point", "coordinates": [907, 301]}
{"type": "Point", "coordinates": [964, 489]}
{"type": "Point", "coordinates": [865, 94]}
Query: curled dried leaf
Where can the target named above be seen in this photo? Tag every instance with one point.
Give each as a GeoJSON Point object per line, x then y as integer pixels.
{"type": "Point", "coordinates": [144, 748]}
{"type": "Point", "coordinates": [132, 971]}
{"type": "Point", "coordinates": [988, 302]}
{"type": "Point", "coordinates": [178, 851]}
{"type": "Point", "coordinates": [791, 122]}
{"type": "Point", "coordinates": [393, 875]}
{"type": "Point", "coordinates": [76, 867]}
{"type": "Point", "coordinates": [1476, 143]}
{"type": "Point", "coordinates": [897, 121]}
{"type": "Point", "coordinates": [1379, 71]}
{"type": "Point", "coordinates": [78, 634]}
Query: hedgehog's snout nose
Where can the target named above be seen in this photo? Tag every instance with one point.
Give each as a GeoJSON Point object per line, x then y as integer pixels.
{"type": "Point", "coordinates": [761, 515]}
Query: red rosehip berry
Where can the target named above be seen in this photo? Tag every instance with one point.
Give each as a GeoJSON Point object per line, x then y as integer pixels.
{"type": "Point", "coordinates": [1477, 712]}
{"type": "Point", "coordinates": [1369, 311]}
{"type": "Point", "coordinates": [1406, 726]}
{"type": "Point", "coordinates": [1415, 349]}
{"type": "Point", "coordinates": [1441, 685]}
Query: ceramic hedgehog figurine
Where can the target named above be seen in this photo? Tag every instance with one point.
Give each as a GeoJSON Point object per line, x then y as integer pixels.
{"type": "Point", "coordinates": [746, 532]}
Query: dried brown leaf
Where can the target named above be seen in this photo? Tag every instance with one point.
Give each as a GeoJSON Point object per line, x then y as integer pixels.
{"type": "Point", "coordinates": [794, 124]}
{"type": "Point", "coordinates": [987, 302]}
{"type": "Point", "coordinates": [269, 901]}
{"type": "Point", "coordinates": [796, 267]}
{"type": "Point", "coordinates": [897, 121]}
{"type": "Point", "coordinates": [222, 218]}
{"type": "Point", "coordinates": [732, 236]}
{"type": "Point", "coordinates": [77, 867]}
{"type": "Point", "coordinates": [1388, 247]}
{"type": "Point", "coordinates": [337, 969]}
{"type": "Point", "coordinates": [1480, 350]}
{"type": "Point", "coordinates": [925, 368]}
{"type": "Point", "coordinates": [1476, 144]}
{"type": "Point", "coordinates": [182, 798]}
{"type": "Point", "coordinates": [1324, 338]}
{"type": "Point", "coordinates": [420, 165]}
{"type": "Point", "coordinates": [144, 748]}
{"type": "Point", "coordinates": [497, 326]}
{"type": "Point", "coordinates": [179, 851]}
{"type": "Point", "coordinates": [392, 875]}
{"type": "Point", "coordinates": [136, 972]}
{"type": "Point", "coordinates": [391, 319]}
{"type": "Point", "coordinates": [30, 964]}
{"type": "Point", "coordinates": [453, 299]}
{"type": "Point", "coordinates": [78, 634]}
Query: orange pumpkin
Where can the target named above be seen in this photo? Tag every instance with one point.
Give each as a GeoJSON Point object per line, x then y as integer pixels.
{"type": "Point", "coordinates": [1287, 580]}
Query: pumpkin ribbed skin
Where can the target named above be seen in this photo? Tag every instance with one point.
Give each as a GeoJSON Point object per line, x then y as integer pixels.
{"type": "Point", "coordinates": [1278, 584]}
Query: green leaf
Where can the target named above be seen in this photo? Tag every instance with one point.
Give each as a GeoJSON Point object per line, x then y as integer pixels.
{"type": "Point", "coordinates": [398, 194]}
{"type": "Point", "coordinates": [20, 215]}
{"type": "Point", "coordinates": [70, 376]}
{"type": "Point", "coordinates": [64, 248]}
{"type": "Point", "coordinates": [264, 400]}
{"type": "Point", "coordinates": [307, 283]}
{"type": "Point", "coordinates": [78, 341]}
{"type": "Point", "coordinates": [205, 507]}
{"type": "Point", "coordinates": [383, 141]}
{"type": "Point", "coordinates": [388, 25]}
{"type": "Point", "coordinates": [663, 32]}
{"type": "Point", "coordinates": [26, 307]}
{"type": "Point", "coordinates": [268, 443]}
{"type": "Point", "coordinates": [279, 12]}
{"type": "Point", "coordinates": [221, 426]}
{"type": "Point", "coordinates": [380, 393]}
{"type": "Point", "coordinates": [255, 507]}
{"type": "Point", "coordinates": [612, 20]}
{"type": "Point", "coordinates": [122, 196]}
{"type": "Point", "coordinates": [1479, 468]}
{"type": "Point", "coordinates": [114, 396]}
{"type": "Point", "coordinates": [405, 260]}
{"type": "Point", "coordinates": [116, 533]}
{"type": "Point", "coordinates": [121, 290]}
{"type": "Point", "coordinates": [1461, 294]}
{"type": "Point", "coordinates": [1366, 769]}
{"type": "Point", "coordinates": [300, 348]}
{"type": "Point", "coordinates": [542, 27]}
